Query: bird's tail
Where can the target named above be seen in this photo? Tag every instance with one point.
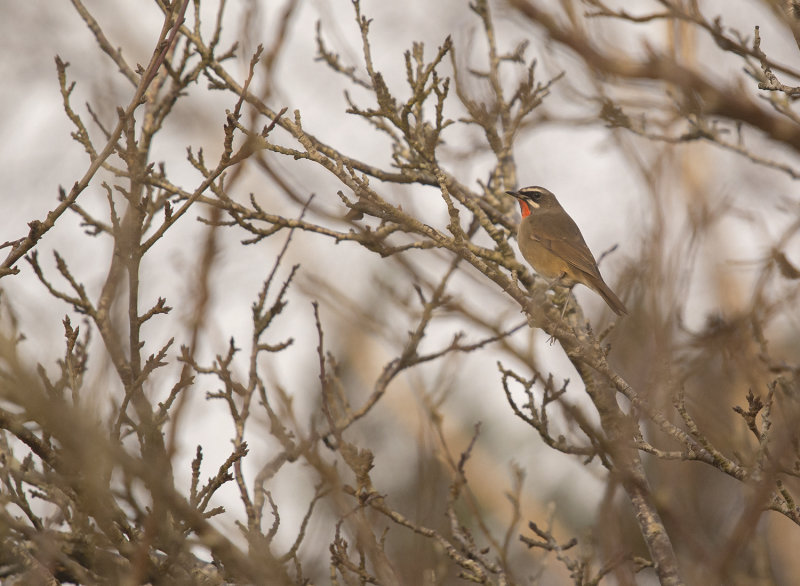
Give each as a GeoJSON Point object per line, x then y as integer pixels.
{"type": "Point", "coordinates": [608, 295]}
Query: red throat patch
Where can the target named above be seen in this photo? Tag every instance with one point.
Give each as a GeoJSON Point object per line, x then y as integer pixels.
{"type": "Point", "coordinates": [524, 208]}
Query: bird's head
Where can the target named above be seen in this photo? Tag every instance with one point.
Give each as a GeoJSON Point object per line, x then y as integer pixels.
{"type": "Point", "coordinates": [533, 198]}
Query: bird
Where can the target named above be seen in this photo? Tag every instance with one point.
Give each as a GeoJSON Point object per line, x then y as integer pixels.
{"type": "Point", "coordinates": [553, 245]}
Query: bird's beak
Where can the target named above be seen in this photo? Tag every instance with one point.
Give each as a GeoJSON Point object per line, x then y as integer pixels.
{"type": "Point", "coordinates": [528, 202]}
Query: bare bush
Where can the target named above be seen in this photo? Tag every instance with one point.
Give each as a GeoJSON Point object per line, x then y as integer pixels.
{"type": "Point", "coordinates": [299, 346]}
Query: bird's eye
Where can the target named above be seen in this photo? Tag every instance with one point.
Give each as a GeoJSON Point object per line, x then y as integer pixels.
{"type": "Point", "coordinates": [536, 195]}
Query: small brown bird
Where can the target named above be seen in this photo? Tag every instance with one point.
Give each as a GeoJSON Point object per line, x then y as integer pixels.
{"type": "Point", "coordinates": [553, 245]}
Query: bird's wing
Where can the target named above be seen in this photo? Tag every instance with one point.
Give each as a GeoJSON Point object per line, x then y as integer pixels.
{"type": "Point", "coordinates": [561, 235]}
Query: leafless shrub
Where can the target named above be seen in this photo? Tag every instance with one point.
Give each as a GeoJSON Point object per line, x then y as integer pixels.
{"type": "Point", "coordinates": [691, 428]}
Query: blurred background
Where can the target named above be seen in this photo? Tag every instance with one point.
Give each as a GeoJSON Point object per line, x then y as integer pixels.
{"type": "Point", "coordinates": [692, 229]}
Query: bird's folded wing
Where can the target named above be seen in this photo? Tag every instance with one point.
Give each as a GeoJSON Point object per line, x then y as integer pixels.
{"type": "Point", "coordinates": [572, 249]}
